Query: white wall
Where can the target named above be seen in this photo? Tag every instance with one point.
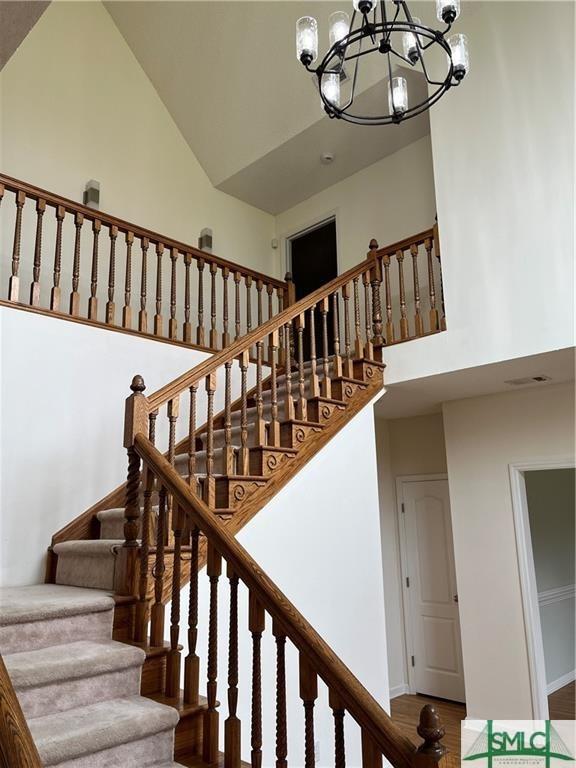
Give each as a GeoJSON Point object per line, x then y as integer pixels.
{"type": "Point", "coordinates": [483, 436]}
{"type": "Point", "coordinates": [76, 105]}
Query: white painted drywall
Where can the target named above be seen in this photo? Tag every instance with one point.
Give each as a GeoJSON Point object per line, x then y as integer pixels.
{"type": "Point", "coordinates": [483, 436]}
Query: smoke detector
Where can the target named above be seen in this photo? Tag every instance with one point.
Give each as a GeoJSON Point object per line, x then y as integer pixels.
{"type": "Point", "coordinates": [326, 158]}
{"type": "Point", "coordinates": [528, 380]}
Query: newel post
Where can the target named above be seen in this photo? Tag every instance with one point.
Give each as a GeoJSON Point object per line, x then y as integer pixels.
{"type": "Point", "coordinates": [135, 422]}
{"type": "Point", "coordinates": [431, 753]}
{"type": "Point", "coordinates": [376, 282]}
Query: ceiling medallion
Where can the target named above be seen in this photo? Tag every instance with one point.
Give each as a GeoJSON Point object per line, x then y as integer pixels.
{"type": "Point", "coordinates": [383, 28]}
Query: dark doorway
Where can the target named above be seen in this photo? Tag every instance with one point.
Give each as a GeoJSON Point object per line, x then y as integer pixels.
{"type": "Point", "coordinates": [314, 263]}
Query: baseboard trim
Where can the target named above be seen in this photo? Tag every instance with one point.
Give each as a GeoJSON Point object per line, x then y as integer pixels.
{"type": "Point", "coordinates": [399, 690]}
{"type": "Point", "coordinates": [560, 682]}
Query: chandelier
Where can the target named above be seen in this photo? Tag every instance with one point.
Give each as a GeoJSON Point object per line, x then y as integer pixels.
{"type": "Point", "coordinates": [385, 28]}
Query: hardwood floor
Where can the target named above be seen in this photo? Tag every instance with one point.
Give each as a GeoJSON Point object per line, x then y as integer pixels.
{"type": "Point", "coordinates": [405, 711]}
{"type": "Point", "coordinates": [562, 703]}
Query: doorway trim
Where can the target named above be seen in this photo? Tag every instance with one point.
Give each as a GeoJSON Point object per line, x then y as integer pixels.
{"type": "Point", "coordinates": [310, 226]}
{"type": "Point", "coordinates": [528, 588]}
{"type": "Point", "coordinates": [401, 480]}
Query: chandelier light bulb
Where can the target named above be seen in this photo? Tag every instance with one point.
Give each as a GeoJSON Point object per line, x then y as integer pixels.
{"type": "Point", "coordinates": [339, 26]}
{"type": "Point", "coordinates": [364, 6]}
{"type": "Point", "coordinates": [398, 96]}
{"type": "Point", "coordinates": [331, 88]}
{"type": "Point", "coordinates": [460, 58]}
{"type": "Point", "coordinates": [306, 40]}
{"type": "Point", "coordinates": [447, 10]}
{"type": "Point", "coordinates": [410, 44]}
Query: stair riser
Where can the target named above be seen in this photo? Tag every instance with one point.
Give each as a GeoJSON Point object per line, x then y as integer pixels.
{"type": "Point", "coordinates": [82, 571]}
{"type": "Point", "coordinates": [68, 694]}
{"type": "Point", "coordinates": [31, 636]}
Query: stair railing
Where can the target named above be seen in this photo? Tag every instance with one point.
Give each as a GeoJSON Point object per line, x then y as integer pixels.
{"type": "Point", "coordinates": [83, 264]}
{"type": "Point", "coordinates": [17, 749]}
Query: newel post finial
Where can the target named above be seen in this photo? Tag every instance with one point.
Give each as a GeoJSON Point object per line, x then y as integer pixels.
{"type": "Point", "coordinates": [373, 246]}
{"type": "Point", "coordinates": [137, 384]}
{"type": "Point", "coordinates": [432, 731]}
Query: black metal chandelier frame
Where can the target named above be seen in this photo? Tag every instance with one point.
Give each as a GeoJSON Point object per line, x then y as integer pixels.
{"type": "Point", "coordinates": [380, 34]}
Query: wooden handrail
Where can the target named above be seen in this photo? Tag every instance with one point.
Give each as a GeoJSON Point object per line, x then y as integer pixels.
{"type": "Point", "coordinates": [404, 244]}
{"type": "Point", "coordinates": [357, 700]}
{"type": "Point", "coordinates": [17, 749]}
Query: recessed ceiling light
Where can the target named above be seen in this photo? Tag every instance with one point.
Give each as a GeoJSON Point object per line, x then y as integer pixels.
{"type": "Point", "coordinates": [540, 379]}
{"type": "Point", "coordinates": [326, 158]}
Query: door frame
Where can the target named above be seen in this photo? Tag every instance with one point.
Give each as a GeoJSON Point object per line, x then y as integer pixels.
{"type": "Point", "coordinates": [310, 226]}
{"type": "Point", "coordinates": [528, 588]}
{"type": "Point", "coordinates": [401, 480]}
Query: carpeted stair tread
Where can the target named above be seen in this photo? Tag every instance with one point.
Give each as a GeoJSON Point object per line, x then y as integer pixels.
{"type": "Point", "coordinates": [88, 547]}
{"type": "Point", "coordinates": [70, 662]}
{"type": "Point", "coordinates": [21, 605]}
{"type": "Point", "coordinates": [97, 727]}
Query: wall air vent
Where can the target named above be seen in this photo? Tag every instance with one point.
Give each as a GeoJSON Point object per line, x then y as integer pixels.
{"type": "Point", "coordinates": [528, 380]}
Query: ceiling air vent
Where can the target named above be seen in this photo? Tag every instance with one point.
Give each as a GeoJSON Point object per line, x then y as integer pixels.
{"type": "Point", "coordinates": [528, 380]}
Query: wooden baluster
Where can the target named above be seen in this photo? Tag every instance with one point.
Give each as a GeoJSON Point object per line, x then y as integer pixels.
{"type": "Point", "coordinates": [314, 380]}
{"type": "Point", "coordinates": [274, 427]}
{"type": "Point", "coordinates": [110, 306]}
{"type": "Point", "coordinates": [142, 315]}
{"type": "Point", "coordinates": [389, 323]}
{"type": "Point", "coordinates": [281, 299]}
{"type": "Point", "coordinates": [302, 404]}
{"type": "Point", "coordinates": [55, 294]}
{"type": "Point", "coordinates": [436, 244]}
{"type": "Point", "coordinates": [337, 359]}
{"type": "Point", "coordinates": [211, 718]}
{"type": "Point", "coordinates": [326, 384]}
{"type": "Point", "coordinates": [225, 331]}
{"type": "Point", "coordinates": [14, 282]}
{"type": "Point", "coordinates": [404, 331]}
{"type": "Point", "coordinates": [368, 347]}
{"type": "Point", "coordinates": [248, 282]}
{"type": "Point", "coordinates": [256, 624]}
{"type": "Point", "coordinates": [157, 612]}
{"type": "Point", "coordinates": [244, 454]}
{"type": "Point", "coordinates": [259, 288]}
{"type": "Point", "coordinates": [260, 424]}
{"type": "Point", "coordinates": [200, 329]}
{"type": "Point", "coordinates": [281, 729]}
{"type": "Point", "coordinates": [308, 694]}
{"type": "Point", "coordinates": [141, 623]}
{"type": "Point", "coordinates": [158, 315]}
{"type": "Point", "coordinates": [376, 281]}
{"type": "Point", "coordinates": [431, 286]}
{"type": "Point", "coordinates": [418, 327]}
{"type": "Point", "coordinates": [270, 292]}
{"type": "Point", "coordinates": [358, 345]}
{"type": "Point", "coordinates": [210, 480]}
{"type": "Point", "coordinates": [228, 448]}
{"type": "Point", "coordinates": [75, 296]}
{"type": "Point", "coordinates": [192, 662]}
{"type": "Point", "coordinates": [236, 305]}
{"type": "Point", "coordinates": [187, 328]}
{"type": "Point", "coordinates": [232, 725]}
{"type": "Point", "coordinates": [173, 324]}
{"type": "Point", "coordinates": [93, 301]}
{"type": "Point", "coordinates": [289, 400]}
{"type": "Point", "coordinates": [173, 413]}
{"type": "Point", "coordinates": [337, 706]}
{"type": "Point", "coordinates": [35, 287]}
{"type": "Point", "coordinates": [192, 440]}
{"type": "Point", "coordinates": [173, 660]}
{"type": "Point", "coordinates": [127, 309]}
{"type": "Point", "coordinates": [213, 332]}
{"type": "Point", "coordinates": [348, 366]}
{"type": "Point", "coordinates": [371, 754]}
{"type": "Point", "coordinates": [281, 350]}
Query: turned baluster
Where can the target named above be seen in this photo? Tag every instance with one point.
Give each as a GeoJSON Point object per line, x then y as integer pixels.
{"type": "Point", "coordinates": [389, 323]}
{"type": "Point", "coordinates": [93, 301]}
{"type": "Point", "coordinates": [404, 332]}
{"type": "Point", "coordinates": [225, 331]}
{"type": "Point", "coordinates": [248, 281]}
{"type": "Point", "coordinates": [260, 424]}
{"type": "Point", "coordinates": [313, 378]}
{"type": "Point", "coordinates": [371, 753]}
{"type": "Point", "coordinates": [431, 286]}
{"type": "Point", "coordinates": [337, 359]}
{"type": "Point", "coordinates": [326, 384]}
{"type": "Point", "coordinates": [35, 287]}
{"type": "Point", "coordinates": [187, 327]}
{"type": "Point", "coordinates": [110, 307]}
{"type": "Point", "coordinates": [210, 480]}
{"type": "Point", "coordinates": [173, 413]}
{"type": "Point", "coordinates": [75, 296]}
{"type": "Point", "coordinates": [289, 400]}
{"type": "Point", "coordinates": [376, 281]}
{"type": "Point", "coordinates": [308, 694]}
{"type": "Point", "coordinates": [158, 315]}
{"type": "Point", "coordinates": [213, 331]}
{"type": "Point", "coordinates": [173, 660]}
{"type": "Point", "coordinates": [368, 347]}
{"type": "Point", "coordinates": [270, 292]}
{"type": "Point", "coordinates": [274, 427]}
{"type": "Point", "coordinates": [244, 454]}
{"type": "Point", "coordinates": [302, 403]}
{"type": "Point", "coordinates": [142, 315]}
{"type": "Point", "coordinates": [211, 717]}
{"type": "Point", "coordinates": [192, 662]}
{"type": "Point", "coordinates": [281, 729]}
{"type": "Point", "coordinates": [418, 327]}
{"type": "Point", "coordinates": [348, 365]}
{"type": "Point", "coordinates": [232, 724]}
{"type": "Point", "coordinates": [436, 244]}
{"type": "Point", "coordinates": [236, 305]}
{"type": "Point", "coordinates": [200, 329]}
{"type": "Point", "coordinates": [259, 288]}
{"type": "Point", "coordinates": [141, 624]}
{"type": "Point", "coordinates": [173, 324]}
{"type": "Point", "coordinates": [256, 625]}
{"type": "Point", "coordinates": [157, 612]}
{"type": "Point", "coordinates": [56, 293]}
{"type": "Point", "coordinates": [14, 282]}
{"type": "Point", "coordinates": [192, 440]}
{"type": "Point", "coordinates": [358, 345]}
{"type": "Point", "coordinates": [281, 350]}
{"type": "Point", "coordinates": [127, 309]}
{"type": "Point", "coordinates": [337, 706]}
{"type": "Point", "coordinates": [228, 458]}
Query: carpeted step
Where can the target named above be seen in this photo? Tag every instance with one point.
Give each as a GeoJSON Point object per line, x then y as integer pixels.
{"type": "Point", "coordinates": [112, 523]}
{"type": "Point", "coordinates": [63, 677]}
{"type": "Point", "coordinates": [50, 614]}
{"type": "Point", "coordinates": [181, 462]}
{"type": "Point", "coordinates": [131, 732]}
{"type": "Point", "coordinates": [87, 563]}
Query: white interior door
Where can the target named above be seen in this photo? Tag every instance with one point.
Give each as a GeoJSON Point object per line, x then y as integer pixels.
{"type": "Point", "coordinates": [432, 618]}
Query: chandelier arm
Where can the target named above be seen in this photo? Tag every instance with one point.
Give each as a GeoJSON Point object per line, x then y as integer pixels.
{"type": "Point", "coordinates": [390, 25]}
{"type": "Point", "coordinates": [362, 53]}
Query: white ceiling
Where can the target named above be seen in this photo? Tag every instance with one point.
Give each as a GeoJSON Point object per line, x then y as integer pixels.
{"type": "Point", "coordinates": [227, 72]}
